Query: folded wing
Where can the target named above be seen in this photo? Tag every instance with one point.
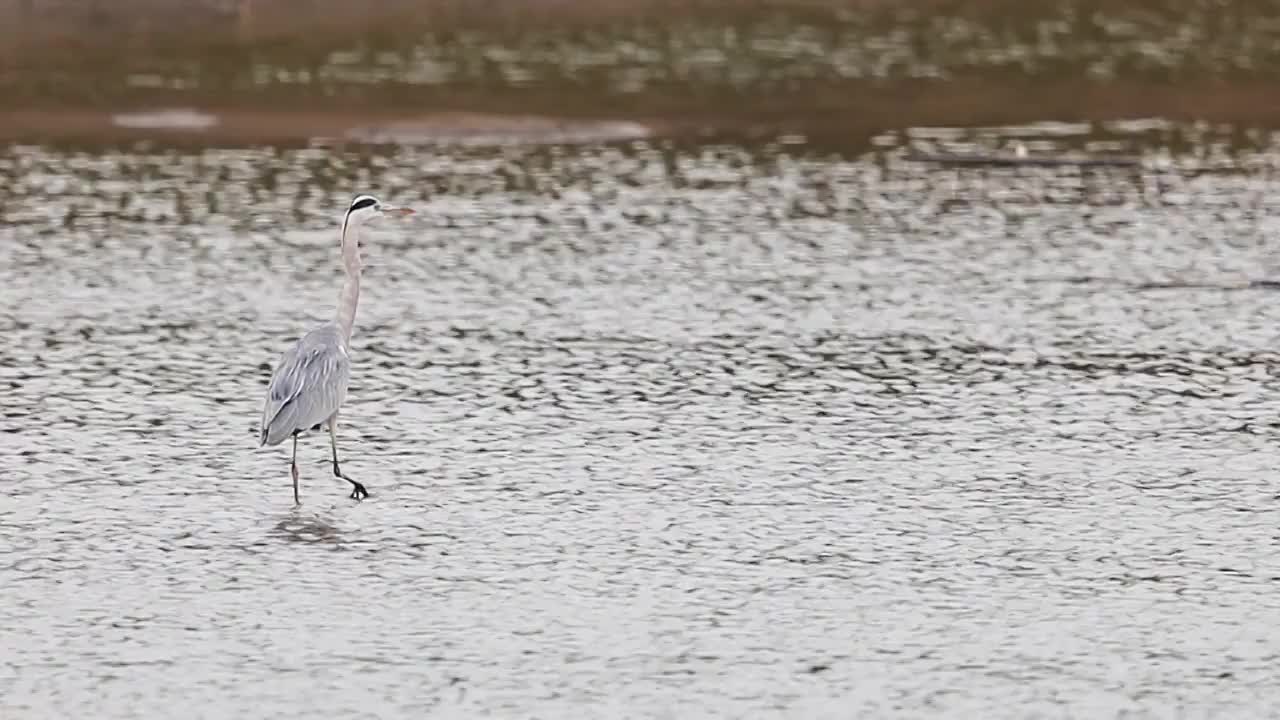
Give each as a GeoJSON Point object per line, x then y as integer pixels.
{"type": "Point", "coordinates": [308, 385]}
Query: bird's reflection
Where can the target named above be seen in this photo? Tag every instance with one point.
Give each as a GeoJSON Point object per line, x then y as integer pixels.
{"type": "Point", "coordinates": [308, 527]}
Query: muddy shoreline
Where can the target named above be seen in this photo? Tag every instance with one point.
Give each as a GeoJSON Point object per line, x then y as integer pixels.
{"type": "Point", "coordinates": [836, 72]}
{"type": "Point", "coordinates": [850, 126]}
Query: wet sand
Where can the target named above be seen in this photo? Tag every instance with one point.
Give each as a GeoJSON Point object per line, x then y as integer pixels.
{"type": "Point", "coordinates": [850, 126]}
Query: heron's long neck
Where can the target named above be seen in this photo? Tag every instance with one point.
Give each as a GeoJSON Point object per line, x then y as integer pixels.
{"type": "Point", "coordinates": [350, 296]}
{"type": "Point", "coordinates": [348, 300]}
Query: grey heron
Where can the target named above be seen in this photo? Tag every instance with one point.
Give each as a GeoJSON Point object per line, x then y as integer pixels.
{"type": "Point", "coordinates": [310, 381]}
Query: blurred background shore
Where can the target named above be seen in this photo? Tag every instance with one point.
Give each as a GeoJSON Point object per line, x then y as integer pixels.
{"type": "Point", "coordinates": [836, 72]}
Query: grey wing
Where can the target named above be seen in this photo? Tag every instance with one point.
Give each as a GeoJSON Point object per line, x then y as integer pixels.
{"type": "Point", "coordinates": [307, 388]}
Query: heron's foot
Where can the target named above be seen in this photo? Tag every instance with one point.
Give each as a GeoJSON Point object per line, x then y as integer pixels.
{"type": "Point", "coordinates": [357, 490]}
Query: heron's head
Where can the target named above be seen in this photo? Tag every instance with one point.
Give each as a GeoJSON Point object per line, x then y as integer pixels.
{"type": "Point", "coordinates": [362, 210]}
{"type": "Point", "coordinates": [367, 207]}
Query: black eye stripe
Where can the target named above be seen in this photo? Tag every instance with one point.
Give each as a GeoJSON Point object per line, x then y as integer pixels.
{"type": "Point", "coordinates": [363, 203]}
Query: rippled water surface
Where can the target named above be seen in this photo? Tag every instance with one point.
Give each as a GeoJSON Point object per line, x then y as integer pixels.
{"type": "Point", "coordinates": [650, 430]}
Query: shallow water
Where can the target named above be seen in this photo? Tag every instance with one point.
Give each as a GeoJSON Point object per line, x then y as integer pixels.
{"type": "Point", "coordinates": [650, 430]}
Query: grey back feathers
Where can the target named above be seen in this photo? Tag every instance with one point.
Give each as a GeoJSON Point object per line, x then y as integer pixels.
{"type": "Point", "coordinates": [309, 385]}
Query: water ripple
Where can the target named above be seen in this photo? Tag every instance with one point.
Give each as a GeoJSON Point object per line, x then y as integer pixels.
{"type": "Point", "coordinates": [648, 429]}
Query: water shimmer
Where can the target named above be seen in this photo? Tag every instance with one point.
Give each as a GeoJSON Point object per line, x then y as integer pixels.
{"type": "Point", "coordinates": [650, 431]}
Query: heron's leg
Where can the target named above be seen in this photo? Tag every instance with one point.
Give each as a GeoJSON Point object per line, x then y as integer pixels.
{"type": "Point", "coordinates": [357, 490]}
{"type": "Point", "coordinates": [293, 467]}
